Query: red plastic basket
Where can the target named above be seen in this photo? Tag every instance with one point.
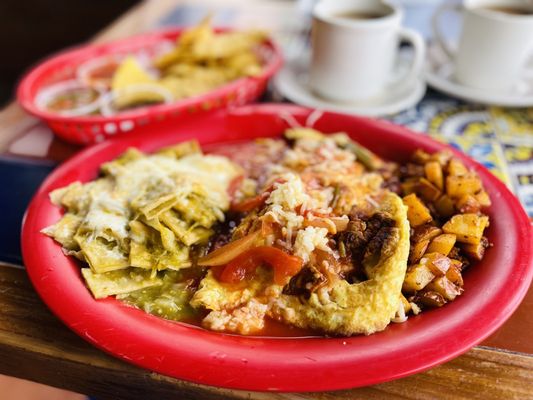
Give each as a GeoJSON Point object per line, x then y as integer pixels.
{"type": "Point", "coordinates": [96, 128]}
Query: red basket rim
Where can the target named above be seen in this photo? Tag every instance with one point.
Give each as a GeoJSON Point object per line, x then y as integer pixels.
{"type": "Point", "coordinates": [27, 100]}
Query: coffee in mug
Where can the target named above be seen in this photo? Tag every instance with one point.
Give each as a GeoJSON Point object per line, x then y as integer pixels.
{"type": "Point", "coordinates": [359, 15]}
{"type": "Point", "coordinates": [509, 10]}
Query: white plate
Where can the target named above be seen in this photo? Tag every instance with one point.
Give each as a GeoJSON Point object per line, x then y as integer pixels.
{"type": "Point", "coordinates": [439, 75]}
{"type": "Point", "coordinates": [292, 83]}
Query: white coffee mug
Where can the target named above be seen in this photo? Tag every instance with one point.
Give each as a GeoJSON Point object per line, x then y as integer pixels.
{"type": "Point", "coordinates": [354, 48]}
{"type": "Point", "coordinates": [495, 43]}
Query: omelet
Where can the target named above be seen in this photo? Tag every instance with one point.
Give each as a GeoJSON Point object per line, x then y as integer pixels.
{"type": "Point", "coordinates": [235, 308]}
{"type": "Point", "coordinates": [341, 309]}
{"type": "Point", "coordinates": [365, 307]}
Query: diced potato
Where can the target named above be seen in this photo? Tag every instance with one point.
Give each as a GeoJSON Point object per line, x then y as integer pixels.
{"type": "Point", "coordinates": [468, 204]}
{"type": "Point", "coordinates": [449, 192]}
{"type": "Point", "coordinates": [409, 186]}
{"type": "Point", "coordinates": [467, 227]}
{"type": "Point", "coordinates": [456, 168]}
{"type": "Point", "coordinates": [434, 174]}
{"type": "Point", "coordinates": [413, 170]}
{"type": "Point", "coordinates": [454, 273]}
{"type": "Point", "coordinates": [476, 251]}
{"type": "Point", "coordinates": [417, 250]}
{"type": "Point", "coordinates": [430, 299]}
{"type": "Point", "coordinates": [442, 244]}
{"type": "Point", "coordinates": [427, 190]}
{"type": "Point", "coordinates": [445, 288]}
{"type": "Point", "coordinates": [425, 232]}
{"type": "Point", "coordinates": [483, 198]}
{"type": "Point", "coordinates": [442, 157]}
{"type": "Point", "coordinates": [417, 212]}
{"type": "Point", "coordinates": [458, 186]}
{"type": "Point", "coordinates": [456, 255]}
{"type": "Point", "coordinates": [437, 263]}
{"type": "Point", "coordinates": [444, 206]}
{"type": "Point", "coordinates": [420, 156]}
{"type": "Point", "coordinates": [416, 278]}
{"type": "Point", "coordinates": [457, 264]}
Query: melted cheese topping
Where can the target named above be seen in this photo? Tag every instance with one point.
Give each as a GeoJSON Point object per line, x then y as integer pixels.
{"type": "Point", "coordinates": [144, 214]}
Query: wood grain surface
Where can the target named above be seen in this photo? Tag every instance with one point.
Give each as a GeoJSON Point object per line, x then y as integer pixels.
{"type": "Point", "coordinates": [35, 345]}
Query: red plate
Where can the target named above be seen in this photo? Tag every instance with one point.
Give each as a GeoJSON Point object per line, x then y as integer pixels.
{"type": "Point", "coordinates": [91, 129]}
{"type": "Point", "coordinates": [493, 288]}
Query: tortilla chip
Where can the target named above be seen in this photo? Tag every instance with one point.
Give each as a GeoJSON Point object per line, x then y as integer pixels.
{"type": "Point", "coordinates": [128, 73]}
{"type": "Point", "coordinates": [119, 282]}
{"type": "Point", "coordinates": [133, 85]}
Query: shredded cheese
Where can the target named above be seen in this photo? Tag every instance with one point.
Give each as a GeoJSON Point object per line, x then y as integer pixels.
{"type": "Point", "coordinates": [309, 239]}
{"type": "Point", "coordinates": [289, 194]}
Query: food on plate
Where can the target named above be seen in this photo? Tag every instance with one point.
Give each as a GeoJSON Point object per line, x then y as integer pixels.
{"type": "Point", "coordinates": [130, 75]}
{"type": "Point", "coordinates": [70, 98]}
{"type": "Point", "coordinates": [98, 72]}
{"type": "Point", "coordinates": [445, 202]}
{"type": "Point", "coordinates": [204, 59]}
{"type": "Point", "coordinates": [329, 247]}
{"type": "Point", "coordinates": [312, 231]}
{"type": "Point", "coordinates": [144, 215]}
{"type": "Point", "coordinates": [199, 61]}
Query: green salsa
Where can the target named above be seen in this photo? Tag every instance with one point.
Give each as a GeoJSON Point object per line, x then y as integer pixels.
{"type": "Point", "coordinates": [169, 300]}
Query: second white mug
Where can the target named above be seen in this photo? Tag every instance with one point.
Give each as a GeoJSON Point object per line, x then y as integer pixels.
{"type": "Point", "coordinates": [354, 48]}
{"type": "Point", "coordinates": [495, 44]}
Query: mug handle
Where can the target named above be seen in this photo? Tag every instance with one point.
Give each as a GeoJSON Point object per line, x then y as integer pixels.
{"type": "Point", "coordinates": [435, 26]}
{"type": "Point", "coordinates": [419, 55]}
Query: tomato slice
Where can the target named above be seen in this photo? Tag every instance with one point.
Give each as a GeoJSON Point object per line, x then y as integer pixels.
{"type": "Point", "coordinates": [283, 264]}
{"type": "Point", "coordinates": [245, 205]}
{"type": "Point", "coordinates": [257, 201]}
{"type": "Point", "coordinates": [251, 203]}
{"type": "Point", "coordinates": [234, 185]}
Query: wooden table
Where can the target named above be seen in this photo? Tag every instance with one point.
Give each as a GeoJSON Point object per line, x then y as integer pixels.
{"type": "Point", "coordinates": [35, 345]}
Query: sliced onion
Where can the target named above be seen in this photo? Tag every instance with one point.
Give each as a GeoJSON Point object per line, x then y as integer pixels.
{"type": "Point", "coordinates": [340, 222]}
{"type": "Point", "coordinates": [225, 254]}
{"type": "Point", "coordinates": [332, 224]}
